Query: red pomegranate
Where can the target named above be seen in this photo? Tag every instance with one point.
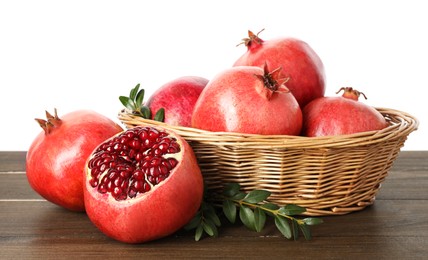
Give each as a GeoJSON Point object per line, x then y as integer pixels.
{"type": "Point", "coordinates": [297, 59]}
{"type": "Point", "coordinates": [329, 116]}
{"type": "Point", "coordinates": [248, 99]}
{"type": "Point", "coordinates": [56, 158]}
{"type": "Point", "coordinates": [177, 97]}
{"type": "Point", "coordinates": [142, 184]}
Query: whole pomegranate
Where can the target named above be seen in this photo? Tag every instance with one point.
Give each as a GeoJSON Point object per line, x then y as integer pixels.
{"type": "Point", "coordinates": [142, 184]}
{"type": "Point", "coordinates": [177, 97]}
{"type": "Point", "coordinates": [297, 59]}
{"type": "Point", "coordinates": [248, 99]}
{"type": "Point", "coordinates": [329, 116]}
{"type": "Point", "coordinates": [56, 158]}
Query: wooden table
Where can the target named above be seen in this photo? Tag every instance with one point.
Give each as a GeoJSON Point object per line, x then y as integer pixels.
{"type": "Point", "coordinates": [395, 227]}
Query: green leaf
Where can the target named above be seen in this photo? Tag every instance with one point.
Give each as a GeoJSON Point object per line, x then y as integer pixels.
{"type": "Point", "coordinates": [256, 196]}
{"type": "Point", "coordinates": [295, 228]}
{"type": "Point", "coordinates": [140, 98]}
{"type": "Point", "coordinates": [291, 210]}
{"type": "Point", "coordinates": [145, 111]}
{"type": "Point", "coordinates": [259, 219]}
{"type": "Point", "coordinates": [306, 231]}
{"type": "Point", "coordinates": [127, 102]}
{"type": "Point", "coordinates": [283, 226]}
{"type": "Point", "coordinates": [312, 221]}
{"type": "Point", "coordinates": [212, 216]}
{"type": "Point", "coordinates": [231, 189]}
{"type": "Point", "coordinates": [199, 232]}
{"type": "Point", "coordinates": [209, 228]}
{"type": "Point", "coordinates": [270, 207]}
{"type": "Point", "coordinates": [239, 196]}
{"type": "Point", "coordinates": [194, 222]}
{"type": "Point", "coordinates": [213, 227]}
{"type": "Point", "coordinates": [247, 217]}
{"type": "Point", "coordinates": [134, 92]}
{"type": "Point", "coordinates": [229, 210]}
{"type": "Point", "coordinates": [160, 115]}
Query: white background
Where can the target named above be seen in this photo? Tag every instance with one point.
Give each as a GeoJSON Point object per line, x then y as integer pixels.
{"type": "Point", "coordinates": [84, 54]}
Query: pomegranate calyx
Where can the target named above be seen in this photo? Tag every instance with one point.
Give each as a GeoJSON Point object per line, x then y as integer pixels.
{"type": "Point", "coordinates": [252, 38]}
{"type": "Point", "coordinates": [349, 92]}
{"type": "Point", "coordinates": [272, 82]}
{"type": "Point", "coordinates": [51, 122]}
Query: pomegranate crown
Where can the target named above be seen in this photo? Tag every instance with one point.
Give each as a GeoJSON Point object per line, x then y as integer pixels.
{"type": "Point", "coordinates": [349, 92]}
{"type": "Point", "coordinates": [51, 122]}
{"type": "Point", "coordinates": [272, 81]}
{"type": "Point", "coordinates": [252, 38]}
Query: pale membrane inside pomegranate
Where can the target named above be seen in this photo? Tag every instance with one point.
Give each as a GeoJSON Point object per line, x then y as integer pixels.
{"type": "Point", "coordinates": [133, 162]}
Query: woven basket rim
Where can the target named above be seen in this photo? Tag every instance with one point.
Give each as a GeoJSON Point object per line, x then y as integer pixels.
{"type": "Point", "coordinates": [401, 124]}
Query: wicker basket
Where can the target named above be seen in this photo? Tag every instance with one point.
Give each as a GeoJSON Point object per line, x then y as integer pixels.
{"type": "Point", "coordinates": [327, 175]}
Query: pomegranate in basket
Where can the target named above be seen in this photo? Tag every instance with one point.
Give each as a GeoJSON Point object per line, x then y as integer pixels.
{"type": "Point", "coordinates": [248, 99]}
{"type": "Point", "coordinates": [329, 116]}
{"type": "Point", "coordinates": [297, 59]}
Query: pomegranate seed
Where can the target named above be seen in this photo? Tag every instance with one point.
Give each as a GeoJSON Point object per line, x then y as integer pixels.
{"type": "Point", "coordinates": [93, 182]}
{"type": "Point", "coordinates": [117, 181]}
{"type": "Point", "coordinates": [102, 188]}
{"type": "Point", "coordinates": [117, 146]}
{"type": "Point", "coordinates": [148, 142]}
{"type": "Point", "coordinates": [130, 134]}
{"type": "Point", "coordinates": [163, 169]}
{"type": "Point", "coordinates": [143, 134]}
{"type": "Point", "coordinates": [173, 162]}
{"type": "Point", "coordinates": [146, 187]}
{"type": "Point", "coordinates": [153, 134]}
{"type": "Point", "coordinates": [160, 179]}
{"type": "Point", "coordinates": [132, 193]}
{"type": "Point", "coordinates": [156, 161]}
{"type": "Point", "coordinates": [138, 185]}
{"type": "Point", "coordinates": [112, 164]}
{"type": "Point", "coordinates": [110, 186]}
{"type": "Point", "coordinates": [117, 192]}
{"type": "Point", "coordinates": [124, 184]}
{"type": "Point", "coordinates": [166, 164]}
{"type": "Point", "coordinates": [138, 175]}
{"type": "Point", "coordinates": [135, 144]}
{"type": "Point", "coordinates": [151, 179]}
{"type": "Point", "coordinates": [163, 147]}
{"type": "Point", "coordinates": [154, 171]}
{"type": "Point", "coordinates": [139, 157]}
{"type": "Point", "coordinates": [124, 174]}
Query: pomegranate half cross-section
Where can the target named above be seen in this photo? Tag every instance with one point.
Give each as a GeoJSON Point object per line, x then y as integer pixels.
{"type": "Point", "coordinates": [142, 184]}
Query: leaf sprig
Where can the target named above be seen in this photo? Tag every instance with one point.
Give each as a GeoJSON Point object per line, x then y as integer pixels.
{"type": "Point", "coordinates": [252, 209]}
{"type": "Point", "coordinates": [135, 103]}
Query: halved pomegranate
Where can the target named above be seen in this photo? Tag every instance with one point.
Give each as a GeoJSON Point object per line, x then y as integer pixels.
{"type": "Point", "coordinates": [142, 184]}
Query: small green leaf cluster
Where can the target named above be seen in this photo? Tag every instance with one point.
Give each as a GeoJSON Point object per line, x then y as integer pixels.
{"type": "Point", "coordinates": [252, 209]}
{"type": "Point", "coordinates": [205, 221]}
{"type": "Point", "coordinates": [135, 103]}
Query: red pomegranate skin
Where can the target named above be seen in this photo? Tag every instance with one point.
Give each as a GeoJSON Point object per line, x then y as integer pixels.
{"type": "Point", "coordinates": [178, 98]}
{"type": "Point", "coordinates": [55, 161]}
{"type": "Point", "coordinates": [235, 101]}
{"type": "Point", "coordinates": [331, 116]}
{"type": "Point", "coordinates": [163, 210]}
{"type": "Point", "coordinates": [297, 59]}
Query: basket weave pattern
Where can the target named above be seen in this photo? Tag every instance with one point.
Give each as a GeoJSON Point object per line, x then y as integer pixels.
{"type": "Point", "coordinates": [326, 175]}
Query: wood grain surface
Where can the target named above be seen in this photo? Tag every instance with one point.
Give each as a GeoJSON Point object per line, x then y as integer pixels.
{"type": "Point", "coordinates": [395, 227]}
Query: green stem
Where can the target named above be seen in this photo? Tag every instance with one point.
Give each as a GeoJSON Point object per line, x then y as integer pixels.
{"type": "Point", "coordinates": [274, 212]}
